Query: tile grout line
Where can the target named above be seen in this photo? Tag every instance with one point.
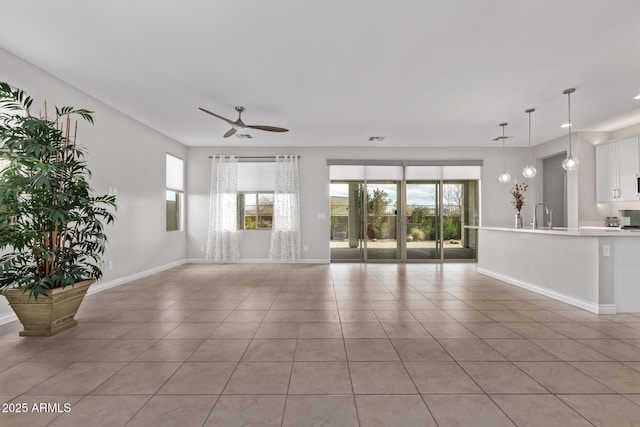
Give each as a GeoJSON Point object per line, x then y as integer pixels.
{"type": "Point", "coordinates": [407, 371]}
{"type": "Point", "coordinates": [346, 356]}
{"type": "Point", "coordinates": [236, 366]}
{"type": "Point", "coordinates": [457, 297]}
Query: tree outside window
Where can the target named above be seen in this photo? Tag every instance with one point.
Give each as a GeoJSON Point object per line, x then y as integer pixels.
{"type": "Point", "coordinates": [256, 211]}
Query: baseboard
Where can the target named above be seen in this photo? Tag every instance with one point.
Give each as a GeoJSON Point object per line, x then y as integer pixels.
{"type": "Point", "coordinates": [257, 261]}
{"type": "Point", "coordinates": [8, 319]}
{"type": "Point", "coordinates": [586, 305]}
{"type": "Point", "coordinates": [607, 309]}
{"type": "Point", "coordinates": [103, 286]}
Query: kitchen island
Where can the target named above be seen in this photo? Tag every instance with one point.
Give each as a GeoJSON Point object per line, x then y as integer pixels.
{"type": "Point", "coordinates": [596, 269]}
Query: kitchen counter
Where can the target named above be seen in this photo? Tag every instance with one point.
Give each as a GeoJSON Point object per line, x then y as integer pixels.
{"type": "Point", "coordinates": [582, 231]}
{"type": "Point", "coordinates": [593, 268]}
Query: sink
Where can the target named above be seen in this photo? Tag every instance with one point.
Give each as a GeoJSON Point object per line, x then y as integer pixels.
{"type": "Point", "coordinates": [557, 228]}
{"type": "Point", "coordinates": [552, 228]}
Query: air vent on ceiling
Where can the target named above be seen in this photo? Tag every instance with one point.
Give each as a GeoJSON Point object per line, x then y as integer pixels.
{"type": "Point", "coordinates": [376, 138]}
{"type": "Point", "coordinates": [243, 136]}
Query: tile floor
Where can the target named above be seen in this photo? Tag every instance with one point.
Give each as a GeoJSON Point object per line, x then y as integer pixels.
{"type": "Point", "coordinates": [325, 345]}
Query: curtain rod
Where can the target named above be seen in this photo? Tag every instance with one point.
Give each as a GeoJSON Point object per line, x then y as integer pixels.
{"type": "Point", "coordinates": [255, 158]}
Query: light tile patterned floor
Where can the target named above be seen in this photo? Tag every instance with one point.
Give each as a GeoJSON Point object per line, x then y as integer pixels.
{"type": "Point", "coordinates": [331, 345]}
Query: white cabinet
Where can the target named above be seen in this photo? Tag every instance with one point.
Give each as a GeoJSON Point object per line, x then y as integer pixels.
{"type": "Point", "coordinates": [617, 171]}
{"type": "Point", "coordinates": [606, 173]}
{"type": "Point", "coordinates": [628, 169]}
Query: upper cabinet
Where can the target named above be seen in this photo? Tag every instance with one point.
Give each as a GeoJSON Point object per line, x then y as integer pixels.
{"type": "Point", "coordinates": [617, 171]}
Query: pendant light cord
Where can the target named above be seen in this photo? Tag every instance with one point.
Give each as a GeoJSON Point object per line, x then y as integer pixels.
{"type": "Point", "coordinates": [504, 163]}
{"type": "Point", "coordinates": [570, 122]}
{"type": "Point", "coordinates": [529, 138]}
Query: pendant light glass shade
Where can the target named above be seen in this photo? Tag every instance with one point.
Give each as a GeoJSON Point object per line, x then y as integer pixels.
{"type": "Point", "coordinates": [570, 163]}
{"type": "Point", "coordinates": [529, 171]}
{"type": "Point", "coordinates": [504, 176]}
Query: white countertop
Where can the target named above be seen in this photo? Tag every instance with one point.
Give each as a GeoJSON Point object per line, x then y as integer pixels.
{"type": "Point", "coordinates": [579, 232]}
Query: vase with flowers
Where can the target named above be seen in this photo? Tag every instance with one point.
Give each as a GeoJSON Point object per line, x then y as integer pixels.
{"type": "Point", "coordinates": [518, 191]}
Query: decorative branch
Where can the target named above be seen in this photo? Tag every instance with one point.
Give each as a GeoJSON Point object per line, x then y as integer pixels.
{"type": "Point", "coordinates": [56, 234]}
{"type": "Point", "coordinates": [518, 192]}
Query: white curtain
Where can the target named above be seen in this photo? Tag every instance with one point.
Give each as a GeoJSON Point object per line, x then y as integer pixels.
{"type": "Point", "coordinates": [223, 245]}
{"type": "Point", "coordinates": [285, 232]}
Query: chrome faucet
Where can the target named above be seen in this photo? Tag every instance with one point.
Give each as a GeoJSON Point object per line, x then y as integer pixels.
{"type": "Point", "coordinates": [549, 213]}
{"type": "Point", "coordinates": [535, 214]}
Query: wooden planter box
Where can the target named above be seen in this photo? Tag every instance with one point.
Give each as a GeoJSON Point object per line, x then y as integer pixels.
{"type": "Point", "coordinates": [48, 315]}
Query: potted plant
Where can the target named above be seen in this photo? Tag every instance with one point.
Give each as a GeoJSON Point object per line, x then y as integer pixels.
{"type": "Point", "coordinates": [51, 224]}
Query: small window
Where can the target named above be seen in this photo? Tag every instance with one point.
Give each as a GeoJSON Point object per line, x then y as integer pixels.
{"type": "Point", "coordinates": [175, 193]}
{"type": "Point", "coordinates": [255, 211]}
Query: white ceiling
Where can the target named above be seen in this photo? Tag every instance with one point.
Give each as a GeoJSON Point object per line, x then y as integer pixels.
{"type": "Point", "coordinates": [420, 72]}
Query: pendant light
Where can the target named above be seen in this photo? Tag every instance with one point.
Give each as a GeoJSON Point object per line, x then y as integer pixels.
{"type": "Point", "coordinates": [570, 163]}
{"type": "Point", "coordinates": [504, 176]}
{"type": "Point", "coordinates": [529, 171]}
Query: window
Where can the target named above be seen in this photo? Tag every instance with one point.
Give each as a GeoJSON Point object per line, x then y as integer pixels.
{"type": "Point", "coordinates": [255, 195]}
{"type": "Point", "coordinates": [175, 193]}
{"type": "Point", "coordinates": [255, 211]}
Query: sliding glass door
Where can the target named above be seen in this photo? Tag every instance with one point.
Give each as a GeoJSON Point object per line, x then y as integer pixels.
{"type": "Point", "coordinates": [347, 221]}
{"type": "Point", "coordinates": [383, 221]}
{"type": "Point", "coordinates": [407, 213]}
{"type": "Point", "coordinates": [356, 206]}
{"type": "Point", "coordinates": [422, 210]}
{"type": "Point", "coordinates": [459, 208]}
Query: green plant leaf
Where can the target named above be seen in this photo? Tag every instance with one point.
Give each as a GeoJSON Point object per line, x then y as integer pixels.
{"type": "Point", "coordinates": [52, 226]}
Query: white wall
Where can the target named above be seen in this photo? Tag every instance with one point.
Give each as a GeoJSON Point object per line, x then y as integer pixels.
{"type": "Point", "coordinates": [314, 183]}
{"type": "Point", "coordinates": [581, 184]}
{"type": "Point", "coordinates": [563, 264]}
{"type": "Point", "coordinates": [122, 153]}
{"type": "Point", "coordinates": [625, 132]}
{"type": "Point", "coordinates": [552, 178]}
{"type": "Point", "coordinates": [589, 210]}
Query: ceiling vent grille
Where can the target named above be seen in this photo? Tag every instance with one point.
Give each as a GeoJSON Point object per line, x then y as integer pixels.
{"type": "Point", "coordinates": [376, 138]}
{"type": "Point", "coordinates": [243, 136]}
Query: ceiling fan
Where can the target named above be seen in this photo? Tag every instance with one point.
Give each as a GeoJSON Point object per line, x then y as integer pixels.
{"type": "Point", "coordinates": [239, 124]}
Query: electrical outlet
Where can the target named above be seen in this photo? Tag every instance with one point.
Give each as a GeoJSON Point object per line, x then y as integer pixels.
{"type": "Point", "coordinates": [606, 250]}
{"type": "Point", "coordinates": [306, 248]}
{"type": "Point", "coordinates": [115, 191]}
{"type": "Point", "coordinates": [110, 264]}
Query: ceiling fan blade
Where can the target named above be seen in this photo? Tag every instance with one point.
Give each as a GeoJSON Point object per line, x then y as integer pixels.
{"type": "Point", "coordinates": [230, 132]}
{"type": "Point", "coordinates": [268, 128]}
{"type": "Point", "coordinates": [215, 115]}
